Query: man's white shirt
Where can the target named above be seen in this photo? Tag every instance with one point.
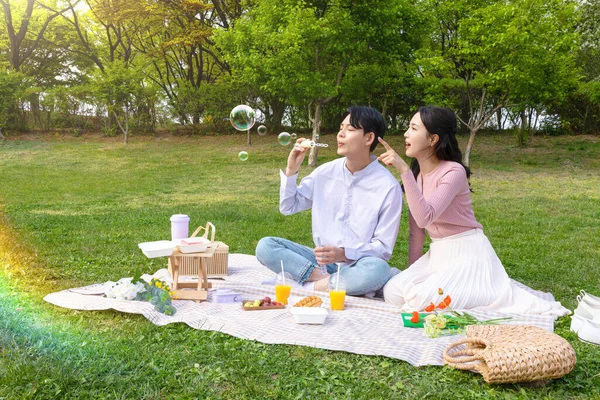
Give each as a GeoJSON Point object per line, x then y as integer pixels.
{"type": "Point", "coordinates": [359, 212]}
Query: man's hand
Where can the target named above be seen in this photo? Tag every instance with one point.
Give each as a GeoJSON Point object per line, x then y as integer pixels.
{"type": "Point", "coordinates": [295, 158]}
{"type": "Point", "coordinates": [330, 254]}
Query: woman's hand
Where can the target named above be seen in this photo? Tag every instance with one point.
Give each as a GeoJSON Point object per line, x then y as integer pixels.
{"type": "Point", "coordinates": [391, 158]}
{"type": "Point", "coordinates": [295, 158]}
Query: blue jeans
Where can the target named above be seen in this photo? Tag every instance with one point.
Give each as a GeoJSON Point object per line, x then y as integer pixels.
{"type": "Point", "coordinates": [365, 275]}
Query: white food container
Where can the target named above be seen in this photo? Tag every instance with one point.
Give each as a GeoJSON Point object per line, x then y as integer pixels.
{"type": "Point", "coordinates": [193, 245]}
{"type": "Point", "coordinates": [309, 315]}
{"type": "Point", "coordinates": [160, 248]}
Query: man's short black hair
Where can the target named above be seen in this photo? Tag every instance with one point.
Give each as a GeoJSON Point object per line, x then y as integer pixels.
{"type": "Point", "coordinates": [368, 119]}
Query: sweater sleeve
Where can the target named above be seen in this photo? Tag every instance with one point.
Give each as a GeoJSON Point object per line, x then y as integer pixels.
{"type": "Point", "coordinates": [425, 212]}
{"type": "Point", "coordinates": [416, 239]}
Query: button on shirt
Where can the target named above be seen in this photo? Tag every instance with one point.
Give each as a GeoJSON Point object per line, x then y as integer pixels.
{"type": "Point", "coordinates": [359, 212]}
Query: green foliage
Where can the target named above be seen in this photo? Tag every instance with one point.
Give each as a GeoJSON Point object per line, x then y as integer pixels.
{"type": "Point", "coordinates": [311, 52]}
{"type": "Point", "coordinates": [194, 60]}
{"type": "Point", "coordinates": [158, 293]}
{"type": "Point", "coordinates": [13, 87]}
{"type": "Point", "coordinates": [522, 51]}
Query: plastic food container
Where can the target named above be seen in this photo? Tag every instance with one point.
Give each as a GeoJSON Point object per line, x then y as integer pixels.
{"type": "Point", "coordinates": [309, 315]}
{"type": "Point", "coordinates": [193, 245]}
{"type": "Point", "coordinates": [161, 248]}
{"type": "Point", "coordinates": [226, 296]}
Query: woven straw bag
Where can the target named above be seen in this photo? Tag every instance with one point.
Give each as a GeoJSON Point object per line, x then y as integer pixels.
{"type": "Point", "coordinates": [511, 353]}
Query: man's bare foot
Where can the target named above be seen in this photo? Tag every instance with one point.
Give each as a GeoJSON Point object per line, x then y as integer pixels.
{"type": "Point", "coordinates": [322, 285]}
{"type": "Point", "coordinates": [317, 275]}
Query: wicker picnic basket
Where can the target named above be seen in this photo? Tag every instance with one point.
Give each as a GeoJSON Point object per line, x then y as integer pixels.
{"type": "Point", "coordinates": [511, 353]}
{"type": "Point", "coordinates": [217, 265]}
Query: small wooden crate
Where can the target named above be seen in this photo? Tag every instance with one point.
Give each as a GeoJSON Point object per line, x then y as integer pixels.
{"type": "Point", "coordinates": [189, 265]}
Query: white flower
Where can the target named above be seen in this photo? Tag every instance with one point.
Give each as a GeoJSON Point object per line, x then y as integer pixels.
{"type": "Point", "coordinates": [123, 289]}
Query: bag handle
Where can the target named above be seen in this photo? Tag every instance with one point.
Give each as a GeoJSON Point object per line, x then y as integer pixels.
{"type": "Point", "coordinates": [459, 359]}
{"type": "Point", "coordinates": [208, 228]}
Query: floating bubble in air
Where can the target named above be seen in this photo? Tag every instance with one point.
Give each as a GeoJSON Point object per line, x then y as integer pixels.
{"type": "Point", "coordinates": [243, 155]}
{"type": "Point", "coordinates": [284, 138]}
{"type": "Point", "coordinates": [294, 136]}
{"type": "Point", "coordinates": [262, 130]}
{"type": "Point", "coordinates": [242, 117]}
{"type": "Point", "coordinates": [316, 137]}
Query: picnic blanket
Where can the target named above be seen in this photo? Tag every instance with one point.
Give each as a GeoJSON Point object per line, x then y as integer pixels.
{"type": "Point", "coordinates": [366, 326]}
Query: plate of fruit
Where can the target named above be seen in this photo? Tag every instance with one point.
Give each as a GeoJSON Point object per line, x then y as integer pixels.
{"type": "Point", "coordinates": [263, 304]}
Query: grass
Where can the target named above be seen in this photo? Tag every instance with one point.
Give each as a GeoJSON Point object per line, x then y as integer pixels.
{"type": "Point", "coordinates": [73, 210]}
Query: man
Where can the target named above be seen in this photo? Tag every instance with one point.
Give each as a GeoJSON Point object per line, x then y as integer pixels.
{"type": "Point", "coordinates": [356, 205]}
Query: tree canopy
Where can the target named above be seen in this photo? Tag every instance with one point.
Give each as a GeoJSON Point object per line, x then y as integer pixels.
{"type": "Point", "coordinates": [146, 63]}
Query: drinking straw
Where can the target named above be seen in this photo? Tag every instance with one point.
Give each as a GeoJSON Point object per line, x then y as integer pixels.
{"type": "Point", "coordinates": [338, 278]}
{"type": "Point", "coordinates": [282, 272]}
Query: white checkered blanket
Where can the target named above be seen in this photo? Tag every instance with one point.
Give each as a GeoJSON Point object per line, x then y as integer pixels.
{"type": "Point", "coordinates": [366, 326]}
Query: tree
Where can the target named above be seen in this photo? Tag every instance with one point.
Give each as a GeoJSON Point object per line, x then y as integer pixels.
{"type": "Point", "coordinates": [23, 40]}
{"type": "Point", "coordinates": [500, 54]}
{"type": "Point", "coordinates": [121, 90]}
{"type": "Point", "coordinates": [12, 87]}
{"type": "Point", "coordinates": [302, 51]}
{"type": "Point", "coordinates": [175, 38]}
{"type": "Point", "coordinates": [580, 112]}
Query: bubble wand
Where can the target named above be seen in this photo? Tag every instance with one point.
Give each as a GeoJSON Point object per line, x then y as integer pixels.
{"type": "Point", "coordinates": [323, 267]}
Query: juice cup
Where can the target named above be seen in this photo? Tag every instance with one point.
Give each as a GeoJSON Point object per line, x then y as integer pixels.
{"type": "Point", "coordinates": [282, 292]}
{"type": "Point", "coordinates": [337, 299]}
{"type": "Point", "coordinates": [283, 287]}
{"type": "Point", "coordinates": [337, 292]}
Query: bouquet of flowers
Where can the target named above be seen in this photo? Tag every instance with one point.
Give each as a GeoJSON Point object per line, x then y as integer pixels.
{"type": "Point", "coordinates": [450, 322]}
{"type": "Point", "coordinates": [157, 292]}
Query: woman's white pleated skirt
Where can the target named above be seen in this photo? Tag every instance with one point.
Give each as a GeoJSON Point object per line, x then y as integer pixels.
{"type": "Point", "coordinates": [466, 267]}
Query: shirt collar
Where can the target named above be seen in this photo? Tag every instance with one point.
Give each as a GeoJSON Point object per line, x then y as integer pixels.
{"type": "Point", "coordinates": [365, 171]}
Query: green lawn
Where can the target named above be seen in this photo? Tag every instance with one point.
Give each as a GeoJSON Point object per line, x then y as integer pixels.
{"type": "Point", "coordinates": [72, 211]}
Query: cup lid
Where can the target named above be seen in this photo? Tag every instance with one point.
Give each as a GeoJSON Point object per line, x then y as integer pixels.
{"type": "Point", "coordinates": [179, 217]}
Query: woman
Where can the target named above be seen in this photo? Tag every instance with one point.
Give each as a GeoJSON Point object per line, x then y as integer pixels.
{"type": "Point", "coordinates": [460, 259]}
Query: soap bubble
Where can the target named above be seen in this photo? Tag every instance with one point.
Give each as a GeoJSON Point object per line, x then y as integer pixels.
{"type": "Point", "coordinates": [316, 137]}
{"type": "Point", "coordinates": [262, 130]}
{"type": "Point", "coordinates": [294, 136]}
{"type": "Point", "coordinates": [284, 138]}
{"type": "Point", "coordinates": [243, 155]}
{"type": "Point", "coordinates": [242, 117]}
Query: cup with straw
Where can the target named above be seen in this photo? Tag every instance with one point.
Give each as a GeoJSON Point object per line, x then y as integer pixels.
{"type": "Point", "coordinates": [337, 294]}
{"type": "Point", "coordinates": [283, 286]}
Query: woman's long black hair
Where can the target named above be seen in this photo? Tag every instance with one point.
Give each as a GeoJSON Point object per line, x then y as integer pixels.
{"type": "Point", "coordinates": [442, 122]}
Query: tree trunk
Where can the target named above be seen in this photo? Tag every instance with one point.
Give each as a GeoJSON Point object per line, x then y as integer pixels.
{"type": "Point", "coordinates": [465, 114]}
{"type": "Point", "coordinates": [126, 129]}
{"type": "Point", "coordinates": [521, 136]}
{"type": "Point", "coordinates": [467, 156]}
{"type": "Point", "coordinates": [499, 118]}
{"type": "Point", "coordinates": [2, 137]}
{"type": "Point", "coordinates": [249, 140]}
{"type": "Point", "coordinates": [126, 138]}
{"type": "Point", "coordinates": [316, 122]}
{"type": "Point", "coordinates": [278, 109]}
